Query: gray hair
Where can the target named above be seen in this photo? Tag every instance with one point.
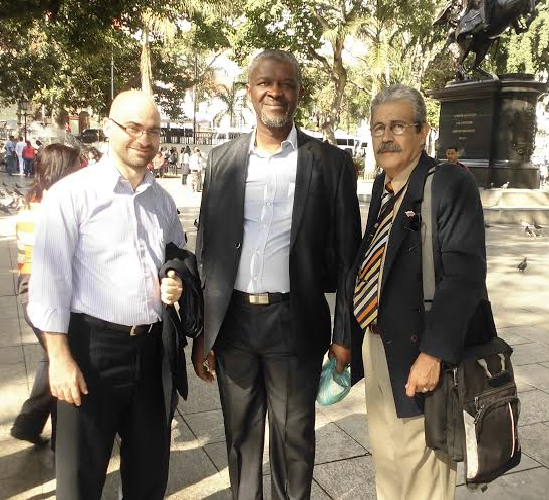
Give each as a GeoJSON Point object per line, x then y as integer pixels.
{"type": "Point", "coordinates": [277, 55]}
{"type": "Point", "coordinates": [401, 92]}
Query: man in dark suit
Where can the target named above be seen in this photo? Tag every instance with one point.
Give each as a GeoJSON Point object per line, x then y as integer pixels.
{"type": "Point", "coordinates": [400, 346]}
{"type": "Point", "coordinates": [279, 226]}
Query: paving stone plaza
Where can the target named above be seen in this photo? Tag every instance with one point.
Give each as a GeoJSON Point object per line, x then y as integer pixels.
{"type": "Point", "coordinates": [343, 465]}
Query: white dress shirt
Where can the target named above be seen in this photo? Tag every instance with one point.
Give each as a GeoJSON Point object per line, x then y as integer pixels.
{"type": "Point", "coordinates": [268, 204]}
{"type": "Point", "coordinates": [99, 247]}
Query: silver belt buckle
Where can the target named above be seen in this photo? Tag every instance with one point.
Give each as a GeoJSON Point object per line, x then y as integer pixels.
{"type": "Point", "coordinates": [132, 330]}
{"type": "Point", "coordinates": [259, 298]}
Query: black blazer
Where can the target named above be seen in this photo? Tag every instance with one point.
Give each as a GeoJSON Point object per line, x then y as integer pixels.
{"type": "Point", "coordinates": [460, 260]}
{"type": "Point", "coordinates": [324, 238]}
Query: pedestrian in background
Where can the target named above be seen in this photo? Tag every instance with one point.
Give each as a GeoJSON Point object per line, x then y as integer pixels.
{"type": "Point", "coordinates": [57, 161]}
{"type": "Point", "coordinates": [184, 159]}
{"type": "Point", "coordinates": [452, 155]}
{"type": "Point", "coordinates": [19, 152]}
{"type": "Point", "coordinates": [11, 157]}
{"type": "Point", "coordinates": [28, 159]}
{"type": "Point", "coordinates": [93, 156]}
{"type": "Point", "coordinates": [195, 166]}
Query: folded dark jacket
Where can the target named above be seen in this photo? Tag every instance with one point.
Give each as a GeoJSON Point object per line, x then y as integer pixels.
{"type": "Point", "coordinates": [189, 322]}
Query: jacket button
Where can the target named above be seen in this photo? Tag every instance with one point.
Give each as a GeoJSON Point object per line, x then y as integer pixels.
{"type": "Point", "coordinates": [237, 245]}
{"type": "Point", "coordinates": [414, 338]}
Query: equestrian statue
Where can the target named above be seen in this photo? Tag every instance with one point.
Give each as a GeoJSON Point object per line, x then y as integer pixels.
{"type": "Point", "coordinates": [476, 24]}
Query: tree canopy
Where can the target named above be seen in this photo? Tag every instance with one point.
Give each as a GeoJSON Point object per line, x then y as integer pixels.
{"type": "Point", "coordinates": [59, 53]}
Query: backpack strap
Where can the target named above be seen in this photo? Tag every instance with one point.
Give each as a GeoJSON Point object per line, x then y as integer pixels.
{"type": "Point", "coordinates": [427, 256]}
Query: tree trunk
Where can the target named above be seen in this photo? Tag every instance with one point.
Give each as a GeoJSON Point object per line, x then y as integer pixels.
{"type": "Point", "coordinates": [339, 79]}
{"type": "Point", "coordinates": [146, 72]}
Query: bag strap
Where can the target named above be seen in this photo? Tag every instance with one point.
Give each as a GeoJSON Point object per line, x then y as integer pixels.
{"type": "Point", "coordinates": [427, 256]}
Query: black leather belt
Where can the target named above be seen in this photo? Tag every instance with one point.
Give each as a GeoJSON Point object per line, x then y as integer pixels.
{"type": "Point", "coordinates": [374, 328]}
{"type": "Point", "coordinates": [262, 299]}
{"type": "Point", "coordinates": [107, 325]}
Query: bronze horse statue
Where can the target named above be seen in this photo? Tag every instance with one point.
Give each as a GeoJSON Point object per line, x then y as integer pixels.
{"type": "Point", "coordinates": [472, 33]}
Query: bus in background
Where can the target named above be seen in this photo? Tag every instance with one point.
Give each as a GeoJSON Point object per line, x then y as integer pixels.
{"type": "Point", "coordinates": [226, 135]}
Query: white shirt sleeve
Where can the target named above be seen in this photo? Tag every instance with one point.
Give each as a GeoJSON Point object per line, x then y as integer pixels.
{"type": "Point", "coordinates": [176, 233]}
{"type": "Point", "coordinates": [50, 289]}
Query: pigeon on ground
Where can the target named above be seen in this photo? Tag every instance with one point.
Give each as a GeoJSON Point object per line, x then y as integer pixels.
{"type": "Point", "coordinates": [18, 186]}
{"type": "Point", "coordinates": [538, 230]}
{"type": "Point", "coordinates": [5, 209]}
{"type": "Point", "coordinates": [5, 185]}
{"type": "Point", "coordinates": [505, 186]}
{"type": "Point", "coordinates": [18, 192]}
{"type": "Point", "coordinates": [522, 265]}
{"type": "Point", "coordinates": [529, 231]}
{"type": "Point", "coordinates": [9, 191]}
{"type": "Point", "coordinates": [487, 225]}
{"type": "Point", "coordinates": [2, 193]}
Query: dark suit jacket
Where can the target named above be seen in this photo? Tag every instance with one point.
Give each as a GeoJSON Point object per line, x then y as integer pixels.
{"type": "Point", "coordinates": [325, 235]}
{"type": "Point", "coordinates": [460, 261]}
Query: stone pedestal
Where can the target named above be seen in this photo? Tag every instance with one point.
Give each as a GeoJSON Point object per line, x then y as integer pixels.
{"type": "Point", "coordinates": [493, 122]}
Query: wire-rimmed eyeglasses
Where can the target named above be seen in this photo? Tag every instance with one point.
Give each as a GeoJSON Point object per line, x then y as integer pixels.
{"type": "Point", "coordinates": [396, 128]}
{"type": "Point", "coordinates": [135, 131]}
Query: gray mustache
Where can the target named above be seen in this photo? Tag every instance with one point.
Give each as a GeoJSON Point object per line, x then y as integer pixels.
{"type": "Point", "coordinates": [389, 147]}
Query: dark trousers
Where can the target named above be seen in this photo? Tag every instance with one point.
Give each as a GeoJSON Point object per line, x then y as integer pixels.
{"type": "Point", "coordinates": [11, 163]}
{"type": "Point", "coordinates": [29, 166]}
{"type": "Point", "coordinates": [259, 373]}
{"type": "Point", "coordinates": [123, 375]}
{"type": "Point", "coordinates": [37, 408]}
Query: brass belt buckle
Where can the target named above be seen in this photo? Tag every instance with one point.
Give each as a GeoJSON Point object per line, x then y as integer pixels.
{"type": "Point", "coordinates": [259, 298]}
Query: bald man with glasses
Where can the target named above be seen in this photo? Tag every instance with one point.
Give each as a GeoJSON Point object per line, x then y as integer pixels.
{"type": "Point", "coordinates": [95, 291]}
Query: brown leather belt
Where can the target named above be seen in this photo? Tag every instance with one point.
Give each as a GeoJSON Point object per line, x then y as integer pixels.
{"type": "Point", "coordinates": [374, 328]}
{"type": "Point", "coordinates": [107, 325]}
{"type": "Point", "coordinates": [262, 299]}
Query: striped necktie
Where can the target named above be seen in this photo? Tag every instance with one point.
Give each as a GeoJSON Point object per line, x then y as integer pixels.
{"type": "Point", "coordinates": [366, 288]}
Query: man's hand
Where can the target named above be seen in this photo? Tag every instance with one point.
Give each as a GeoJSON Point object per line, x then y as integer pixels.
{"type": "Point", "coordinates": [171, 288]}
{"type": "Point", "coordinates": [66, 380]}
{"type": "Point", "coordinates": [204, 366]}
{"type": "Point", "coordinates": [342, 356]}
{"type": "Point", "coordinates": [424, 375]}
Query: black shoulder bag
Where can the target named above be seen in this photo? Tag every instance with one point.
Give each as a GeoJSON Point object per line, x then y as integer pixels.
{"type": "Point", "coordinates": [472, 415]}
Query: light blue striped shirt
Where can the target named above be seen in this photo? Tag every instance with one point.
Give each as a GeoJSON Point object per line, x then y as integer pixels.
{"type": "Point", "coordinates": [268, 206]}
{"type": "Point", "coordinates": [99, 247]}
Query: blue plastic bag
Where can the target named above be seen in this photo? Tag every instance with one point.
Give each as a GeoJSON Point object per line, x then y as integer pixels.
{"type": "Point", "coordinates": [333, 386]}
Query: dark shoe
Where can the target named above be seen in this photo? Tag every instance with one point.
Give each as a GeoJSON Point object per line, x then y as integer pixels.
{"type": "Point", "coordinates": [31, 438]}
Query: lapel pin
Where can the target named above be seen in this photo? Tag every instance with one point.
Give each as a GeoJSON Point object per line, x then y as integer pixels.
{"type": "Point", "coordinates": [410, 214]}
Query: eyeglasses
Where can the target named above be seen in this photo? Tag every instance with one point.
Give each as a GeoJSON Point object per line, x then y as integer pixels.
{"type": "Point", "coordinates": [396, 128]}
{"type": "Point", "coordinates": [135, 131]}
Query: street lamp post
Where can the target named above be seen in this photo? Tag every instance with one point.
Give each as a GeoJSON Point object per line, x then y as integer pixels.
{"type": "Point", "coordinates": [24, 106]}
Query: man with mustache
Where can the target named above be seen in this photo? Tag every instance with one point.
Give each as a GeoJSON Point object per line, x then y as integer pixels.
{"type": "Point", "coordinates": [396, 345]}
{"type": "Point", "coordinates": [95, 291]}
{"type": "Point", "coordinates": [279, 226]}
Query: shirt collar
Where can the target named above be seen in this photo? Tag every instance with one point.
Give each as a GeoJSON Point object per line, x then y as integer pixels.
{"type": "Point", "coordinates": [111, 176]}
{"type": "Point", "coordinates": [400, 180]}
{"type": "Point", "coordinates": [291, 140]}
